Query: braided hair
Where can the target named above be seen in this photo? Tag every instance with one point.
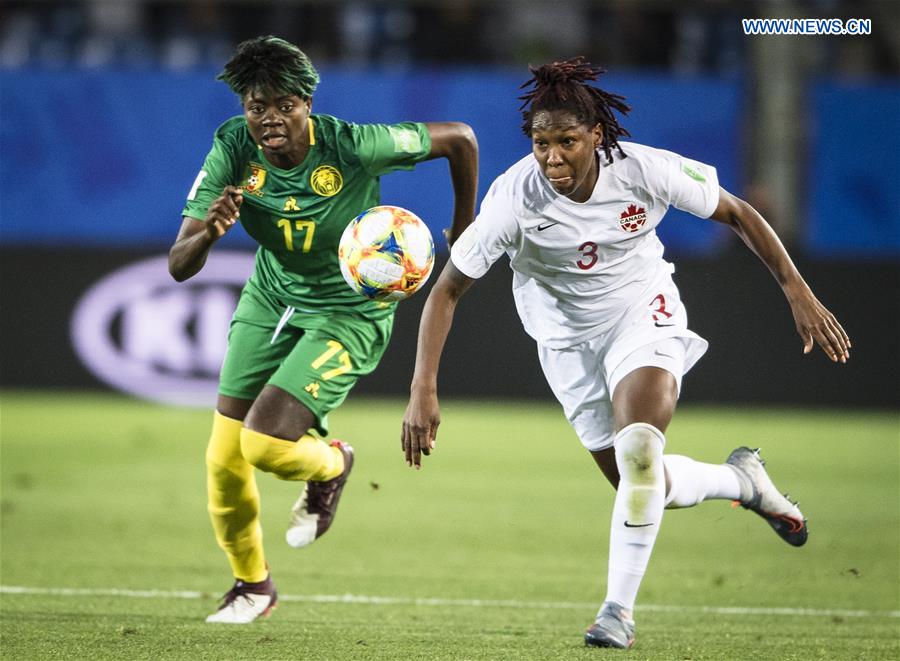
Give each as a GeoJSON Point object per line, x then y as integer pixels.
{"type": "Point", "coordinates": [563, 86]}
{"type": "Point", "coordinates": [271, 64]}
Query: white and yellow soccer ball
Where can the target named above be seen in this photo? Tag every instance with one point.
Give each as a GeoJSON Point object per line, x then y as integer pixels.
{"type": "Point", "coordinates": [386, 253]}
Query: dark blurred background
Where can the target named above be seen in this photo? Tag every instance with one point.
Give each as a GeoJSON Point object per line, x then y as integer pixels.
{"type": "Point", "coordinates": [107, 110]}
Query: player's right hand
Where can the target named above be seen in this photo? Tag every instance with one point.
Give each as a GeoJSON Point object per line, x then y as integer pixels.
{"type": "Point", "coordinates": [817, 325]}
{"type": "Point", "coordinates": [224, 212]}
{"type": "Point", "coordinates": [420, 423]}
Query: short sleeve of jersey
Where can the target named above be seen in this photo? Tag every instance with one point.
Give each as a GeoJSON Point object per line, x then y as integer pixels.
{"type": "Point", "coordinates": [383, 148]}
{"type": "Point", "coordinates": [680, 182]}
{"type": "Point", "coordinates": [216, 173]}
{"type": "Point", "coordinates": [494, 230]}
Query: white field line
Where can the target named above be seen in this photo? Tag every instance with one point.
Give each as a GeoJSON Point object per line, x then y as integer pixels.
{"type": "Point", "coordinates": [465, 603]}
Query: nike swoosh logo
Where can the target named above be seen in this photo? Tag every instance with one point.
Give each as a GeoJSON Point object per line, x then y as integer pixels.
{"type": "Point", "coordinates": [659, 325]}
{"type": "Point", "coordinates": [544, 226]}
{"type": "Point", "coordinates": [637, 525]}
{"type": "Point", "coordinates": [657, 352]}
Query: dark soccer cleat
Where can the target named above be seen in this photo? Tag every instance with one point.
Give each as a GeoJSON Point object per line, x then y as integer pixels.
{"type": "Point", "coordinates": [313, 513]}
{"type": "Point", "coordinates": [759, 495]}
{"type": "Point", "coordinates": [611, 628]}
{"type": "Point", "coordinates": [246, 602]}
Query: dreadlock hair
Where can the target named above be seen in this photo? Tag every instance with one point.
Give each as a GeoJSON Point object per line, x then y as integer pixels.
{"type": "Point", "coordinates": [563, 86]}
{"type": "Point", "coordinates": [271, 64]}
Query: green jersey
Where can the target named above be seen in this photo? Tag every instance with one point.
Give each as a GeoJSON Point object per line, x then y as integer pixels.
{"type": "Point", "coordinates": [297, 216]}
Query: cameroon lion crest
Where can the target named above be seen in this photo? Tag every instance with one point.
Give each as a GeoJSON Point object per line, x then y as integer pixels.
{"type": "Point", "coordinates": [326, 180]}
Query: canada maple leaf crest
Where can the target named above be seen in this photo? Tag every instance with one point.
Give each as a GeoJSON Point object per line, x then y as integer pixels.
{"type": "Point", "coordinates": [633, 218]}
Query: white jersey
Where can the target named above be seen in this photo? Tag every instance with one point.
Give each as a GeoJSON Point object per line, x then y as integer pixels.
{"type": "Point", "coordinates": [579, 267]}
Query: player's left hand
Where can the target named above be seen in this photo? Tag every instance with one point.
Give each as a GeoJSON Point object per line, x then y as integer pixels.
{"type": "Point", "coordinates": [816, 325]}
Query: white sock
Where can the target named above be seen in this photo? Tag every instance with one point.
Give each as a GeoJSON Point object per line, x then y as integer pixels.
{"type": "Point", "coordinates": [638, 509]}
{"type": "Point", "coordinates": [691, 482]}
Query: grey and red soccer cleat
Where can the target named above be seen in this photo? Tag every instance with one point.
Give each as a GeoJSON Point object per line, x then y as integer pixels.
{"type": "Point", "coordinates": [313, 513]}
{"type": "Point", "coordinates": [759, 495]}
{"type": "Point", "coordinates": [612, 628]}
{"type": "Point", "coordinates": [246, 602]}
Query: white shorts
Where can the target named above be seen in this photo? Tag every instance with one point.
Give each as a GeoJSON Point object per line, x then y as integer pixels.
{"type": "Point", "coordinates": [583, 377]}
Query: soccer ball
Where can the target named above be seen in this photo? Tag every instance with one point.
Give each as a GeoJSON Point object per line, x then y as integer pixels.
{"type": "Point", "coordinates": [386, 253]}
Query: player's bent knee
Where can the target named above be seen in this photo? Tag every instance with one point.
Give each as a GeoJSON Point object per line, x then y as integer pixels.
{"type": "Point", "coordinates": [639, 448]}
{"type": "Point", "coordinates": [279, 414]}
{"type": "Point", "coordinates": [260, 451]}
{"type": "Point", "coordinates": [303, 459]}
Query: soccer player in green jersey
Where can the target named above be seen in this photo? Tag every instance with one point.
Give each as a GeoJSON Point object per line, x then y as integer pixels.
{"type": "Point", "coordinates": [300, 337]}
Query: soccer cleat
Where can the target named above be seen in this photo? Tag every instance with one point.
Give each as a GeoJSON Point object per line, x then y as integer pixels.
{"type": "Point", "coordinates": [759, 495]}
{"type": "Point", "coordinates": [611, 628]}
{"type": "Point", "coordinates": [313, 513]}
{"type": "Point", "coordinates": [246, 602]}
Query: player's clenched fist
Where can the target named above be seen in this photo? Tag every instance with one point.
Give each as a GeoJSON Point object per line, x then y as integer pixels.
{"type": "Point", "coordinates": [224, 211]}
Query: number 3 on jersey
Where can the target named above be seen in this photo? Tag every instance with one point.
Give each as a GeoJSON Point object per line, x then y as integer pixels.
{"type": "Point", "coordinates": [588, 255]}
{"type": "Point", "coordinates": [308, 227]}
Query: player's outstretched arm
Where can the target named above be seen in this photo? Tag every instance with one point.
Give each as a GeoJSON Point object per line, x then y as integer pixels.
{"type": "Point", "coordinates": [814, 322]}
{"type": "Point", "coordinates": [456, 142]}
{"type": "Point", "coordinates": [188, 254]}
{"type": "Point", "coordinates": [423, 413]}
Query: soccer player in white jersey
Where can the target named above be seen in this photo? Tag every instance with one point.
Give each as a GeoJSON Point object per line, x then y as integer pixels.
{"type": "Point", "coordinates": [577, 219]}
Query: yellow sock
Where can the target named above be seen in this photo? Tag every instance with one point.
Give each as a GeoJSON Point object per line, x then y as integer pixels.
{"type": "Point", "coordinates": [306, 459]}
{"type": "Point", "coordinates": [233, 501]}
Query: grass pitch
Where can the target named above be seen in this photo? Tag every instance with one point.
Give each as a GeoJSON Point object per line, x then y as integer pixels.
{"type": "Point", "coordinates": [495, 550]}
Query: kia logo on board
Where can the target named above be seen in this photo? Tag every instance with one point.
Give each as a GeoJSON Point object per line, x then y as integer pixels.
{"type": "Point", "coordinates": [145, 334]}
